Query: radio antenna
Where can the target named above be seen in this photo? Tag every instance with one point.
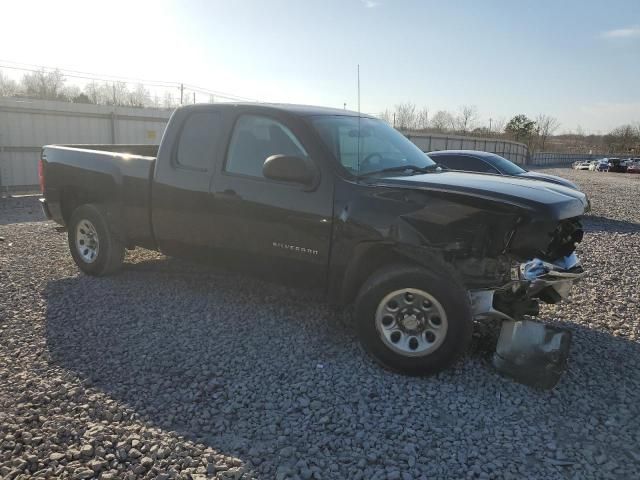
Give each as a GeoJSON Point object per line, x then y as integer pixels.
{"type": "Point", "coordinates": [359, 137]}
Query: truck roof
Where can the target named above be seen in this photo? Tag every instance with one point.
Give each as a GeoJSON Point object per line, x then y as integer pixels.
{"type": "Point", "coordinates": [299, 110]}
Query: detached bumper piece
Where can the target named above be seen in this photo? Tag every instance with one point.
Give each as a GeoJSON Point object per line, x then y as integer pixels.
{"type": "Point", "coordinates": [529, 351]}
{"type": "Point", "coordinates": [532, 353]}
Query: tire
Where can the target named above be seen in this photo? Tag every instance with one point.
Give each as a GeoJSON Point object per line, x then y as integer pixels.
{"type": "Point", "coordinates": [433, 315]}
{"type": "Point", "coordinates": [94, 246]}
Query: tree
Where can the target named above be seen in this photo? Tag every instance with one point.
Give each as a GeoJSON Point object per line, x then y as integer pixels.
{"type": "Point", "coordinates": [387, 116]}
{"type": "Point", "coordinates": [547, 125]}
{"type": "Point", "coordinates": [43, 84]}
{"type": "Point", "coordinates": [81, 98]}
{"type": "Point", "coordinates": [422, 119]}
{"type": "Point", "coordinates": [442, 121]}
{"type": "Point", "coordinates": [623, 139]}
{"type": "Point", "coordinates": [521, 128]}
{"type": "Point", "coordinates": [405, 116]}
{"type": "Point", "coordinates": [93, 92]}
{"type": "Point", "coordinates": [467, 118]}
{"type": "Point", "coordinates": [169, 101]}
{"type": "Point", "coordinates": [497, 125]}
{"type": "Point", "coordinates": [138, 96]}
{"type": "Point", "coordinates": [8, 87]}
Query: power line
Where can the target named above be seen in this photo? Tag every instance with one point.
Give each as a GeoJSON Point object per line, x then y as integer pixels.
{"type": "Point", "coordinates": [86, 75]}
{"type": "Point", "coordinates": [112, 78]}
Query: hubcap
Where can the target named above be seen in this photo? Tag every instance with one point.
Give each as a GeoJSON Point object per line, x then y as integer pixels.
{"type": "Point", "coordinates": [411, 322]}
{"type": "Point", "coordinates": [87, 243]}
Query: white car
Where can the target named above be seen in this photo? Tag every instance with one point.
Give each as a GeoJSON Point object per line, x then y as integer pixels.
{"type": "Point", "coordinates": [581, 166]}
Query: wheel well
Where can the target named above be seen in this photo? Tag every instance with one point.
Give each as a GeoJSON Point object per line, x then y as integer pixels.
{"type": "Point", "coordinates": [374, 257]}
{"type": "Point", "coordinates": [70, 199]}
{"type": "Point", "coordinates": [364, 265]}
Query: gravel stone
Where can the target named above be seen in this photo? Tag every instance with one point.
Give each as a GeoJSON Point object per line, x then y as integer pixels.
{"type": "Point", "coordinates": [175, 370]}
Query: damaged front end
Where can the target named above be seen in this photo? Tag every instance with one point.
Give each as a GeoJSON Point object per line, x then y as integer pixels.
{"type": "Point", "coordinates": [530, 351]}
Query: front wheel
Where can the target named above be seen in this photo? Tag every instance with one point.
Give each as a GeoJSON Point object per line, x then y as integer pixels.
{"type": "Point", "coordinates": [413, 320]}
{"type": "Point", "coordinates": [94, 246]}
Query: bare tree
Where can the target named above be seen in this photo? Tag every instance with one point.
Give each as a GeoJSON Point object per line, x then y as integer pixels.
{"type": "Point", "coordinates": [138, 97]}
{"type": "Point", "coordinates": [422, 119]}
{"type": "Point", "coordinates": [387, 116]}
{"type": "Point", "coordinates": [43, 84]}
{"type": "Point", "coordinates": [442, 121]}
{"type": "Point", "coordinates": [467, 118]}
{"type": "Point", "coordinates": [498, 124]}
{"type": "Point", "coordinates": [623, 139]}
{"type": "Point", "coordinates": [169, 101]}
{"type": "Point", "coordinates": [405, 116]}
{"type": "Point", "coordinates": [546, 125]}
{"type": "Point", "coordinates": [8, 87]}
{"type": "Point", "coordinates": [93, 91]}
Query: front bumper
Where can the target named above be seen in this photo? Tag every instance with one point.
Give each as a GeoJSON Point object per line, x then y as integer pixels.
{"type": "Point", "coordinates": [531, 281]}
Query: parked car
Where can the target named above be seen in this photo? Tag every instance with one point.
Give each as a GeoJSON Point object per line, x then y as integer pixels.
{"type": "Point", "coordinates": [485, 162]}
{"type": "Point", "coordinates": [602, 165]}
{"type": "Point", "coordinates": [593, 165]}
{"type": "Point", "coordinates": [331, 199]}
{"type": "Point", "coordinates": [634, 167]}
{"type": "Point", "coordinates": [617, 165]}
{"type": "Point", "coordinates": [583, 165]}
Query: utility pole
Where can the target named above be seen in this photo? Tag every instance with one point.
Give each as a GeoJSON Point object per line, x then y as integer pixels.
{"type": "Point", "coordinates": [490, 125]}
{"type": "Point", "coordinates": [344, 105]}
{"type": "Point", "coordinates": [194, 97]}
{"type": "Point", "coordinates": [394, 119]}
{"type": "Point", "coordinates": [181, 93]}
{"type": "Point", "coordinates": [114, 93]}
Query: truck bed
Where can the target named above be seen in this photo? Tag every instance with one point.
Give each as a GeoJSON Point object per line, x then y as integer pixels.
{"type": "Point", "coordinates": [108, 172]}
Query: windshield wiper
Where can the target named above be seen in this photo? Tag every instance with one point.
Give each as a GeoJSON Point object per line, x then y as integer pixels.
{"type": "Point", "coordinates": [401, 168]}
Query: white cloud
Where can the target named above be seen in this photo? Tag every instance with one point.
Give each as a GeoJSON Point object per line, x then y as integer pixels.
{"type": "Point", "coordinates": [630, 32]}
{"type": "Point", "coordinates": [370, 3]}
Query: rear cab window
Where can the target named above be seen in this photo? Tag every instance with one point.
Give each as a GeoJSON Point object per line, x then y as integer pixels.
{"type": "Point", "coordinates": [199, 141]}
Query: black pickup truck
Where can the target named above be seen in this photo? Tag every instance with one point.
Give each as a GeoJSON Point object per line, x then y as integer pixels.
{"type": "Point", "coordinates": [331, 199]}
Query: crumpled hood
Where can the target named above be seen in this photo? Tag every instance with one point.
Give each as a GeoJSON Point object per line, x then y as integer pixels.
{"type": "Point", "coordinates": [548, 199]}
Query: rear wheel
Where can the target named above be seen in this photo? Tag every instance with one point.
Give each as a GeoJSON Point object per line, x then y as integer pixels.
{"type": "Point", "coordinates": [94, 246]}
{"type": "Point", "coordinates": [413, 320]}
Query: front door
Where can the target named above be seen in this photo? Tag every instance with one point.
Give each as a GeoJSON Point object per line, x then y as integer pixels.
{"type": "Point", "coordinates": [276, 228]}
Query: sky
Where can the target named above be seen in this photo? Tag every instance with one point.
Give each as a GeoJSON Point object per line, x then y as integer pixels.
{"type": "Point", "coordinates": [576, 60]}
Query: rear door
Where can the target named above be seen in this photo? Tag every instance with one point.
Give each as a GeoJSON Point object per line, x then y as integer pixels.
{"type": "Point", "coordinates": [280, 229]}
{"type": "Point", "coordinates": [181, 198]}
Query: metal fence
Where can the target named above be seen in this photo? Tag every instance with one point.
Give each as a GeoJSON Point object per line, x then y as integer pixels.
{"type": "Point", "coordinates": [27, 125]}
{"type": "Point", "coordinates": [429, 142]}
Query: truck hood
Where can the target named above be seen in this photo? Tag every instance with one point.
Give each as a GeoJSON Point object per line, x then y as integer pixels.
{"type": "Point", "coordinates": [550, 200]}
{"type": "Point", "coordinates": [545, 177]}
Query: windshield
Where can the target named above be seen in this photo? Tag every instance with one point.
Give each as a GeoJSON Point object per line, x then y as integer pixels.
{"type": "Point", "coordinates": [380, 146]}
{"type": "Point", "coordinates": [505, 166]}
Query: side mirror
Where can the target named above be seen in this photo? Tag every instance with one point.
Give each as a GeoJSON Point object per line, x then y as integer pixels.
{"type": "Point", "coordinates": [288, 168]}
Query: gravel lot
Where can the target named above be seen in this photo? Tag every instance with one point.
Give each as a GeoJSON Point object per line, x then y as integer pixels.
{"type": "Point", "coordinates": [173, 370]}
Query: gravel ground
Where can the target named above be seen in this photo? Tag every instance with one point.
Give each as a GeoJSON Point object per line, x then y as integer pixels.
{"type": "Point", "coordinates": [173, 370]}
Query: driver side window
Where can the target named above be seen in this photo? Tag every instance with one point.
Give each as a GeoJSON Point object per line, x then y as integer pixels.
{"type": "Point", "coordinates": [256, 138]}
